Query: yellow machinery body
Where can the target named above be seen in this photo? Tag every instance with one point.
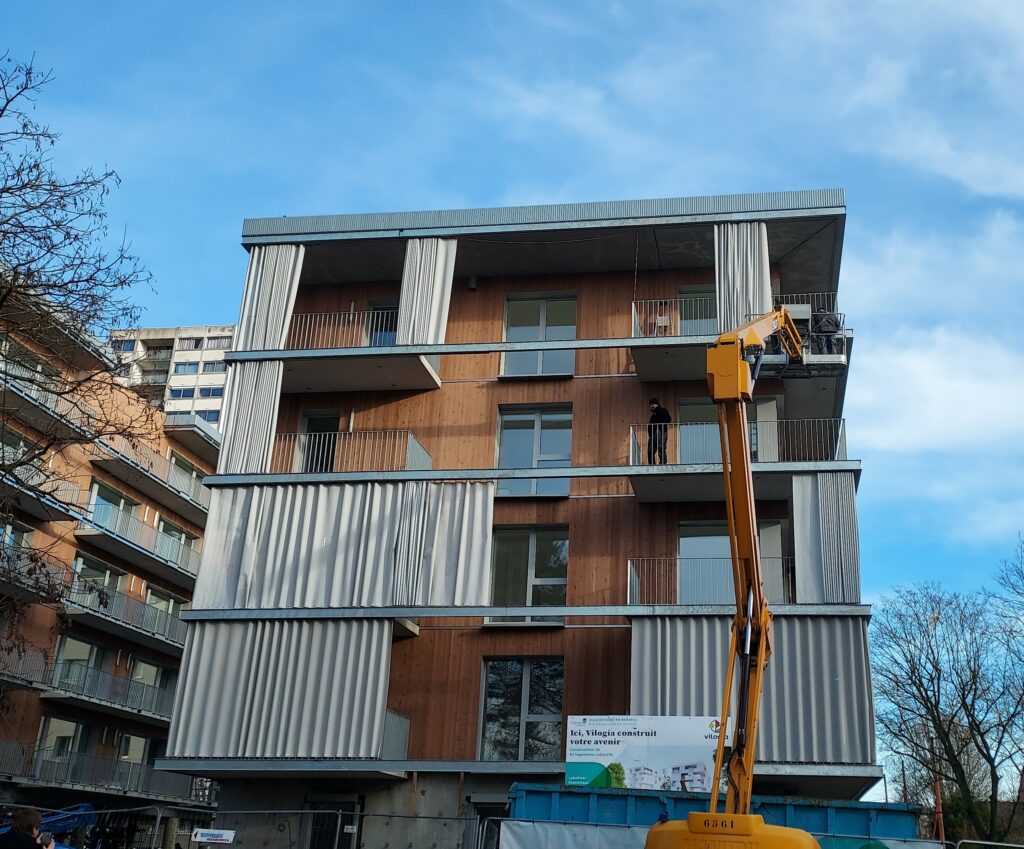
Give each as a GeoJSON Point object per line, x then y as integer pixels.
{"type": "Point", "coordinates": [730, 384]}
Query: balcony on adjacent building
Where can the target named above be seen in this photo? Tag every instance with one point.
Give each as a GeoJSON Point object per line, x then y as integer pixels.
{"type": "Point", "coordinates": [116, 777]}
{"type": "Point", "coordinates": [25, 397]}
{"type": "Point", "coordinates": [148, 472]}
{"type": "Point", "coordinates": [40, 492]}
{"type": "Point", "coordinates": [700, 580]}
{"type": "Point", "coordinates": [31, 571]}
{"type": "Point", "coordinates": [195, 433]}
{"type": "Point", "coordinates": [688, 456]}
{"type": "Point", "coordinates": [108, 693]}
{"type": "Point", "coordinates": [128, 537]}
{"type": "Point", "coordinates": [349, 451]}
{"type": "Point", "coordinates": [158, 358]}
{"type": "Point", "coordinates": [122, 616]}
{"type": "Point", "coordinates": [375, 328]}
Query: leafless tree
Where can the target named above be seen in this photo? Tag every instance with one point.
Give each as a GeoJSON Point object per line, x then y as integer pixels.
{"type": "Point", "coordinates": [950, 697]}
{"type": "Point", "coordinates": [64, 284]}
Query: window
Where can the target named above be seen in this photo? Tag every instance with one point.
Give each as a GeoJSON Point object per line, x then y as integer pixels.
{"type": "Point", "coordinates": [61, 738]}
{"type": "Point", "coordinates": [209, 415]}
{"type": "Point", "coordinates": [132, 749]}
{"type": "Point", "coordinates": [112, 509]}
{"type": "Point", "coordinates": [190, 469]}
{"type": "Point", "coordinates": [13, 535]}
{"type": "Point", "coordinates": [698, 312]}
{"type": "Point", "coordinates": [529, 568]}
{"type": "Point", "coordinates": [186, 368]}
{"type": "Point", "coordinates": [183, 393]}
{"type": "Point", "coordinates": [383, 329]}
{"type": "Point", "coordinates": [147, 673]}
{"type": "Point", "coordinates": [216, 367]}
{"type": "Point", "coordinates": [123, 370]}
{"type": "Point", "coordinates": [163, 601]}
{"type": "Point", "coordinates": [319, 441]}
{"type": "Point", "coordinates": [535, 439]}
{"type": "Point", "coordinates": [75, 661]}
{"type": "Point", "coordinates": [96, 575]}
{"type": "Point", "coordinates": [172, 542]}
{"type": "Point", "coordinates": [122, 344]}
{"type": "Point", "coordinates": [190, 343]}
{"type": "Point", "coordinates": [522, 710]}
{"type": "Point", "coordinates": [705, 563]}
{"type": "Point", "coordinates": [539, 320]}
{"type": "Point", "coordinates": [218, 343]}
{"type": "Point", "coordinates": [211, 392]}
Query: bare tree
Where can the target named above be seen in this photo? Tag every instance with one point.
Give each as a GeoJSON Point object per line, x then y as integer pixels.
{"type": "Point", "coordinates": [950, 697]}
{"type": "Point", "coordinates": [64, 284]}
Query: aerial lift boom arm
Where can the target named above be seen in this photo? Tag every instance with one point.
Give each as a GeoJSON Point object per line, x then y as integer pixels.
{"type": "Point", "coordinates": [733, 363]}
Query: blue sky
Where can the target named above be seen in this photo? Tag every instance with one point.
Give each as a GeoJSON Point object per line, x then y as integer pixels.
{"type": "Point", "coordinates": [212, 112]}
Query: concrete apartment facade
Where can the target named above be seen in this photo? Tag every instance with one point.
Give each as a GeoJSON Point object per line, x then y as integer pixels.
{"type": "Point", "coordinates": [118, 525]}
{"type": "Point", "coordinates": [436, 531]}
{"type": "Point", "coordinates": [182, 368]}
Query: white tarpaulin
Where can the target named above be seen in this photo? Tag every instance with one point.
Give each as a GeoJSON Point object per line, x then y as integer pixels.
{"type": "Point", "coordinates": [528, 834]}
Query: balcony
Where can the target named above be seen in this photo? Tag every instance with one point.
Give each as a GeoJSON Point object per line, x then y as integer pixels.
{"type": "Point", "coordinates": [692, 460]}
{"type": "Point", "coordinates": [49, 412]}
{"type": "Point", "coordinates": [78, 771]}
{"type": "Point", "coordinates": [351, 451]}
{"type": "Point", "coordinates": [158, 359]}
{"type": "Point", "coordinates": [40, 492]}
{"type": "Point", "coordinates": [705, 580]}
{"type": "Point", "coordinates": [143, 469]}
{"type": "Point", "coordinates": [122, 616]}
{"type": "Point", "coordinates": [31, 571]}
{"type": "Point", "coordinates": [196, 434]}
{"type": "Point", "coordinates": [125, 536]}
{"type": "Point", "coordinates": [360, 329]}
{"type": "Point", "coordinates": [108, 693]}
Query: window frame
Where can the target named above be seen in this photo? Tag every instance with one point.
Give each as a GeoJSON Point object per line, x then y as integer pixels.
{"type": "Point", "coordinates": [184, 392]}
{"type": "Point", "coordinates": [524, 705]}
{"type": "Point", "coordinates": [214, 367]}
{"type": "Point", "coordinates": [531, 576]}
{"type": "Point", "coordinates": [210, 416]}
{"type": "Point", "coordinates": [538, 412]}
{"type": "Point", "coordinates": [181, 346]}
{"type": "Point", "coordinates": [184, 368]}
{"type": "Point", "coordinates": [545, 299]}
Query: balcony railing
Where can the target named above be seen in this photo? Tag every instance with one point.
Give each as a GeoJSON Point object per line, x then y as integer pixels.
{"type": "Point", "coordinates": [126, 610]}
{"type": "Point", "coordinates": [394, 744]}
{"type": "Point", "coordinates": [359, 329]}
{"type": "Point", "coordinates": [350, 451]}
{"type": "Point", "coordinates": [32, 475]}
{"type": "Point", "coordinates": [693, 316]}
{"type": "Point", "coordinates": [157, 466]}
{"type": "Point", "coordinates": [75, 769]}
{"type": "Point", "coordinates": [771, 441]}
{"type": "Point", "coordinates": [160, 355]}
{"type": "Point", "coordinates": [29, 384]}
{"type": "Point", "coordinates": [131, 529]}
{"type": "Point", "coordinates": [705, 580]}
{"type": "Point", "coordinates": [32, 569]}
{"type": "Point", "coordinates": [151, 379]}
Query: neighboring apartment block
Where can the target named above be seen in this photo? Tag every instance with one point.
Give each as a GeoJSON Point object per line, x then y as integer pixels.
{"type": "Point", "coordinates": [180, 368]}
{"type": "Point", "coordinates": [116, 523]}
{"type": "Point", "coordinates": [437, 530]}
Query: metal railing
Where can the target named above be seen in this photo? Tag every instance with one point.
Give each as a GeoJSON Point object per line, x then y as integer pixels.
{"type": "Point", "coordinates": [146, 459]}
{"type": "Point", "coordinates": [29, 475]}
{"type": "Point", "coordinates": [686, 316]}
{"type": "Point", "coordinates": [820, 323]}
{"type": "Point", "coordinates": [358, 329]}
{"type": "Point", "coordinates": [700, 580]}
{"type": "Point", "coordinates": [152, 379]}
{"type": "Point", "coordinates": [122, 608]}
{"type": "Point", "coordinates": [158, 355]}
{"type": "Point", "coordinates": [817, 301]}
{"type": "Point", "coordinates": [191, 420]}
{"type": "Point", "coordinates": [29, 384]}
{"type": "Point", "coordinates": [131, 529]}
{"type": "Point", "coordinates": [771, 441]}
{"type": "Point", "coordinates": [349, 451]}
{"type": "Point", "coordinates": [394, 744]}
{"type": "Point", "coordinates": [32, 569]}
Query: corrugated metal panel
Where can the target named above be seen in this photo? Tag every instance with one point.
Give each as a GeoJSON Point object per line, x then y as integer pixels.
{"type": "Point", "coordinates": [568, 215]}
{"type": "Point", "coordinates": [252, 396]}
{"type": "Point", "coordinates": [426, 291]}
{"type": "Point", "coordinates": [347, 545]}
{"type": "Point", "coordinates": [279, 689]}
{"type": "Point", "coordinates": [817, 701]}
{"type": "Point", "coordinates": [269, 296]}
{"type": "Point", "coordinates": [840, 540]}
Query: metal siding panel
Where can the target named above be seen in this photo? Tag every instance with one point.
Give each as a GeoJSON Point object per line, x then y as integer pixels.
{"type": "Point", "coordinates": [840, 544]}
{"type": "Point", "coordinates": [817, 701]}
{"type": "Point", "coordinates": [281, 689]}
{"type": "Point", "coordinates": [391, 224]}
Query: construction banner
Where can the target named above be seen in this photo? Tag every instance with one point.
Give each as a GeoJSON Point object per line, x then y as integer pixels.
{"type": "Point", "coordinates": [642, 752]}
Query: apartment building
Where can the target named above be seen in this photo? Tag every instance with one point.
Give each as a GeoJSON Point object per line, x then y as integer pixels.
{"type": "Point", "coordinates": [115, 524]}
{"type": "Point", "coordinates": [437, 530]}
{"type": "Point", "coordinates": [181, 369]}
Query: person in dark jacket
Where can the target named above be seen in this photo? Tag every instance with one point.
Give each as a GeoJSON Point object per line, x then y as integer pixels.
{"type": "Point", "coordinates": [657, 432]}
{"type": "Point", "coordinates": [24, 833]}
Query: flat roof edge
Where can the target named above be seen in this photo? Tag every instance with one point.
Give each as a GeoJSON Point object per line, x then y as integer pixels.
{"type": "Point", "coordinates": [549, 216]}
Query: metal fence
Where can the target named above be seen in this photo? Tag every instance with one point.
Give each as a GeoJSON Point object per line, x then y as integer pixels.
{"type": "Point", "coordinates": [687, 316]}
{"type": "Point", "coordinates": [700, 580]}
{"type": "Point", "coordinates": [119, 607]}
{"type": "Point", "coordinates": [352, 451]}
{"type": "Point", "coordinates": [32, 385]}
{"type": "Point", "coordinates": [122, 524]}
{"type": "Point", "coordinates": [148, 460]}
{"type": "Point", "coordinates": [83, 827]}
{"type": "Point", "coordinates": [31, 569]}
{"type": "Point", "coordinates": [772, 441]}
{"type": "Point", "coordinates": [356, 329]}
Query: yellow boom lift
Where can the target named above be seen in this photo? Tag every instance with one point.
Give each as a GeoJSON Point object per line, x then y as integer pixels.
{"type": "Point", "coordinates": [732, 366]}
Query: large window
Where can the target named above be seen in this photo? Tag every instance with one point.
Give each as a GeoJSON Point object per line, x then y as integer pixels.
{"type": "Point", "coordinates": [530, 566]}
{"type": "Point", "coordinates": [183, 393]}
{"type": "Point", "coordinates": [75, 660]}
{"type": "Point", "coordinates": [186, 368]}
{"type": "Point", "coordinates": [535, 439]}
{"type": "Point", "coordinates": [540, 320]}
{"type": "Point", "coordinates": [61, 738]}
{"type": "Point", "coordinates": [218, 343]}
{"type": "Point", "coordinates": [522, 710]}
{"type": "Point", "coordinates": [163, 601]}
{"type": "Point", "coordinates": [96, 575]}
{"type": "Point", "coordinates": [211, 392]}
{"type": "Point", "coordinates": [190, 343]}
{"type": "Point", "coordinates": [215, 367]}
{"type": "Point", "coordinates": [212, 416]}
{"type": "Point", "coordinates": [173, 541]}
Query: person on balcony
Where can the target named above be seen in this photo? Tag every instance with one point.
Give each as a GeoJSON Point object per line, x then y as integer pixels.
{"type": "Point", "coordinates": [826, 330]}
{"type": "Point", "coordinates": [657, 432]}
